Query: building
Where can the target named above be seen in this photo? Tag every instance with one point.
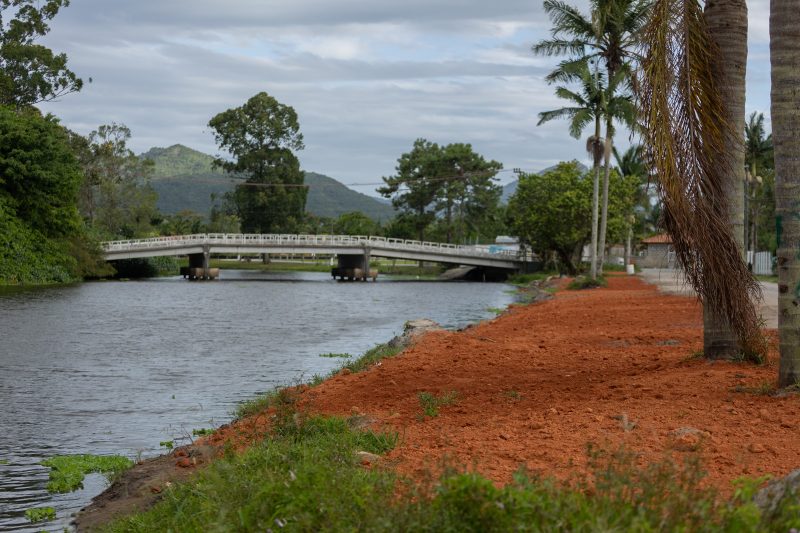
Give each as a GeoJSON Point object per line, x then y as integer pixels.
{"type": "Point", "coordinates": [658, 252]}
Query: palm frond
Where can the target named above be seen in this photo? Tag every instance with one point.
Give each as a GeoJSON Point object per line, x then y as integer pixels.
{"type": "Point", "coordinates": [564, 112]}
{"type": "Point", "coordinates": [567, 19]}
{"type": "Point", "coordinates": [685, 128]}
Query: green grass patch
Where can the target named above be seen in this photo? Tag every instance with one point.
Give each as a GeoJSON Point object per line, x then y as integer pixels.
{"type": "Point", "coordinates": [770, 279]}
{"type": "Point", "coordinates": [40, 514]}
{"type": "Point", "coordinates": [527, 279]}
{"type": "Point", "coordinates": [307, 477]}
{"type": "Point", "coordinates": [202, 432]}
{"type": "Point", "coordinates": [4, 461]}
{"type": "Point", "coordinates": [431, 403]}
{"type": "Point", "coordinates": [583, 282]}
{"type": "Point", "coordinates": [371, 357]}
{"type": "Point", "coordinates": [336, 355]}
{"type": "Point", "coordinates": [68, 471]}
{"type": "Point", "coordinates": [496, 310]}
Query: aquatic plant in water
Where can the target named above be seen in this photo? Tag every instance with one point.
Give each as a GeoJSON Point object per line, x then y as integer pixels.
{"type": "Point", "coordinates": [67, 472]}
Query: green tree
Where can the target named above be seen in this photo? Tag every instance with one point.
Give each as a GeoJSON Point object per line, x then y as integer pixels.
{"type": "Point", "coordinates": [356, 223]}
{"type": "Point", "coordinates": [261, 135]}
{"type": "Point", "coordinates": [611, 35]}
{"type": "Point", "coordinates": [551, 212]}
{"type": "Point", "coordinates": [40, 227]}
{"type": "Point", "coordinates": [415, 188]}
{"type": "Point", "coordinates": [759, 195]}
{"type": "Point", "coordinates": [587, 108]}
{"type": "Point", "coordinates": [39, 176]}
{"type": "Point", "coordinates": [29, 72]}
{"type": "Point", "coordinates": [115, 196]}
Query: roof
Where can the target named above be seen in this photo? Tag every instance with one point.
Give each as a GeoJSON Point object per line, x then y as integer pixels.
{"type": "Point", "coordinates": [664, 238]}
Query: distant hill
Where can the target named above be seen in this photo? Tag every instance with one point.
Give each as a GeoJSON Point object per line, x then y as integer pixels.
{"type": "Point", "coordinates": [510, 188]}
{"type": "Point", "coordinates": [185, 179]}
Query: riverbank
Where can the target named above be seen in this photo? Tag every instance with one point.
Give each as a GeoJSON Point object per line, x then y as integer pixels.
{"type": "Point", "coordinates": [614, 368]}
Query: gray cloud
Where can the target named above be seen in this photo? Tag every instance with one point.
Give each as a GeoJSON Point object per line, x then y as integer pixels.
{"type": "Point", "coordinates": [366, 77]}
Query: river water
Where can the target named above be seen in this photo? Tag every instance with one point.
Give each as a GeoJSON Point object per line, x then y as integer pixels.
{"type": "Point", "coordinates": [118, 367]}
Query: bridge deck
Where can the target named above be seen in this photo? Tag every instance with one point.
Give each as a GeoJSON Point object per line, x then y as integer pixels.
{"type": "Point", "coordinates": [224, 243]}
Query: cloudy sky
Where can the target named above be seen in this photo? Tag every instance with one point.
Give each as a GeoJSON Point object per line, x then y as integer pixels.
{"type": "Point", "coordinates": [366, 77]}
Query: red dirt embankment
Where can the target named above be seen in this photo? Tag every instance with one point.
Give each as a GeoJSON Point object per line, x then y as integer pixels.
{"type": "Point", "coordinates": [607, 366]}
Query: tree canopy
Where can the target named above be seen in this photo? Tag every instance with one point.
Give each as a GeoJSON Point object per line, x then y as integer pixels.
{"type": "Point", "coordinates": [551, 212]}
{"type": "Point", "coordinates": [448, 190]}
{"type": "Point", "coordinates": [29, 72]}
{"type": "Point", "coordinates": [261, 135]}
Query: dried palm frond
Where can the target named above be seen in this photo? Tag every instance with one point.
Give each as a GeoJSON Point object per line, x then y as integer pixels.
{"type": "Point", "coordinates": [685, 128]}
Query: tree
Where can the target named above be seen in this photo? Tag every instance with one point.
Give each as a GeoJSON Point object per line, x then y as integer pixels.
{"type": "Point", "coordinates": [40, 228]}
{"type": "Point", "coordinates": [39, 176]}
{"type": "Point", "coordinates": [611, 36]}
{"type": "Point", "coordinates": [785, 111]}
{"type": "Point", "coordinates": [691, 94]}
{"type": "Point", "coordinates": [261, 135]}
{"type": "Point", "coordinates": [31, 73]}
{"type": "Point", "coordinates": [115, 196]}
{"type": "Point", "coordinates": [631, 164]}
{"type": "Point", "coordinates": [587, 108]}
{"type": "Point", "coordinates": [415, 187]}
{"type": "Point", "coordinates": [759, 161]}
{"type": "Point", "coordinates": [356, 223]}
{"type": "Point", "coordinates": [550, 211]}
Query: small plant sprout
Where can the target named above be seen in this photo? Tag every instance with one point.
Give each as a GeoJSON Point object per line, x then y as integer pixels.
{"type": "Point", "coordinates": [168, 444]}
{"type": "Point", "coordinates": [40, 514]}
{"type": "Point", "coordinates": [431, 403]}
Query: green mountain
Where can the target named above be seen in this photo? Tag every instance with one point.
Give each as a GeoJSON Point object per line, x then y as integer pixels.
{"type": "Point", "coordinates": [185, 179]}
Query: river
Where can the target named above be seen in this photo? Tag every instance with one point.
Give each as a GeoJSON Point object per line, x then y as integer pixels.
{"type": "Point", "coordinates": [118, 367]}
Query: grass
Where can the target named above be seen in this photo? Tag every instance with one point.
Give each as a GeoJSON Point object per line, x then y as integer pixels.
{"type": "Point", "coordinates": [582, 282]}
{"type": "Point", "coordinates": [306, 476]}
{"type": "Point", "coordinates": [336, 355]}
{"type": "Point", "coordinates": [371, 357]}
{"type": "Point", "coordinates": [771, 279]}
{"type": "Point", "coordinates": [496, 310]}
{"type": "Point", "coordinates": [68, 471]}
{"type": "Point", "coordinates": [431, 403]}
{"type": "Point", "coordinates": [527, 279]}
{"type": "Point", "coordinates": [765, 388]}
{"type": "Point", "coordinates": [40, 514]}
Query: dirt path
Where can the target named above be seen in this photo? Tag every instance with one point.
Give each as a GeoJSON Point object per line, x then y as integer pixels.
{"type": "Point", "coordinates": [607, 366]}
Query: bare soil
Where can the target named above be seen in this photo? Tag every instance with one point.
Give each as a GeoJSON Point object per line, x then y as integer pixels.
{"type": "Point", "coordinates": [612, 367]}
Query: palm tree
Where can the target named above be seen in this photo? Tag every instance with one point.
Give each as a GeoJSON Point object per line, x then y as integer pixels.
{"type": "Point", "coordinates": [785, 57]}
{"type": "Point", "coordinates": [691, 92]}
{"type": "Point", "coordinates": [612, 36]}
{"type": "Point", "coordinates": [758, 155]}
{"type": "Point", "coordinates": [588, 106]}
{"type": "Point", "coordinates": [632, 163]}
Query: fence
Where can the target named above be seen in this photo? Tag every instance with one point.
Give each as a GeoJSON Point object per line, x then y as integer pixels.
{"type": "Point", "coordinates": [762, 263]}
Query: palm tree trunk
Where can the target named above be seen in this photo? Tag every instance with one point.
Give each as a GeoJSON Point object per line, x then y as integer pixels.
{"type": "Point", "coordinates": [601, 247]}
{"type": "Point", "coordinates": [784, 29]}
{"type": "Point", "coordinates": [595, 194]}
{"type": "Point", "coordinates": [727, 25]}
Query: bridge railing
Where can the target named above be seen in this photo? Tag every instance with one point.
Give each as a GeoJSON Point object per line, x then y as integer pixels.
{"type": "Point", "coordinates": [245, 239]}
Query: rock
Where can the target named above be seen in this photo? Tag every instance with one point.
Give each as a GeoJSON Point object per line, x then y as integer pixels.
{"type": "Point", "coordinates": [184, 462]}
{"type": "Point", "coordinates": [367, 459]}
{"type": "Point", "coordinates": [687, 439]}
{"type": "Point", "coordinates": [345, 372]}
{"type": "Point", "coordinates": [181, 453]}
{"type": "Point", "coordinates": [756, 448]}
{"type": "Point", "coordinates": [414, 329]}
{"type": "Point", "coordinates": [769, 498]}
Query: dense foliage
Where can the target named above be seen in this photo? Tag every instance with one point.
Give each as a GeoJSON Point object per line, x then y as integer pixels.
{"type": "Point", "coordinates": [551, 212]}
{"type": "Point", "coordinates": [447, 191]}
{"type": "Point", "coordinates": [30, 72]}
{"type": "Point", "coordinates": [39, 181]}
{"type": "Point", "coordinates": [262, 136]}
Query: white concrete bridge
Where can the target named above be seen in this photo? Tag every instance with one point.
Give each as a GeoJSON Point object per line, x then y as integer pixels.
{"type": "Point", "coordinates": [203, 245]}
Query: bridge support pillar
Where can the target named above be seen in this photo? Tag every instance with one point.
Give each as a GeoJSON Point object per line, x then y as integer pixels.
{"type": "Point", "coordinates": [199, 267]}
{"type": "Point", "coordinates": [352, 267]}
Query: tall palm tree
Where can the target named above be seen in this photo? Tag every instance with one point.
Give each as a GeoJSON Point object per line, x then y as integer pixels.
{"type": "Point", "coordinates": [587, 108]}
{"type": "Point", "coordinates": [758, 155]}
{"type": "Point", "coordinates": [784, 48]}
{"type": "Point", "coordinates": [632, 163]}
{"type": "Point", "coordinates": [612, 36]}
{"type": "Point", "coordinates": [691, 91]}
